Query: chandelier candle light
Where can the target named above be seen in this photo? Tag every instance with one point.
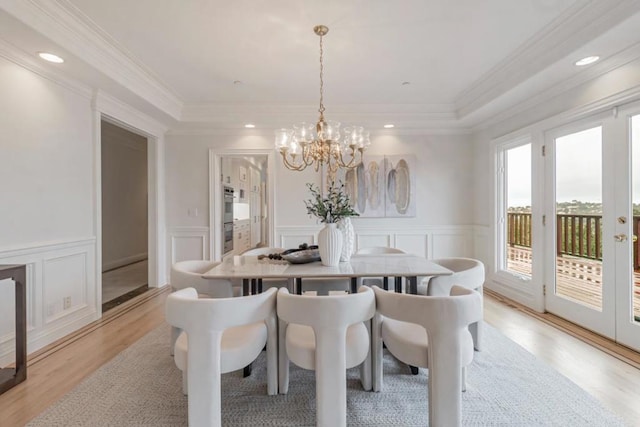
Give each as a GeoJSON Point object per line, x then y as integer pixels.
{"type": "Point", "coordinates": [301, 146]}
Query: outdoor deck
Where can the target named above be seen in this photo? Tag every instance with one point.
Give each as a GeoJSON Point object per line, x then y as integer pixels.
{"type": "Point", "coordinates": [579, 278]}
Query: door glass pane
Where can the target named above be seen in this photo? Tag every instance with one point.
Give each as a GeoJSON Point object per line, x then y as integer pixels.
{"type": "Point", "coordinates": [635, 199]}
{"type": "Point", "coordinates": [518, 224]}
{"type": "Point", "coordinates": [578, 171]}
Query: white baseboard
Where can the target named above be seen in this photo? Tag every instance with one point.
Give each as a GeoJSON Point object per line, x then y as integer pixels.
{"type": "Point", "coordinates": [106, 266]}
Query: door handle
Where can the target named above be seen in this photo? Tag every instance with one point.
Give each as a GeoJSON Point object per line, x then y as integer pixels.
{"type": "Point", "coordinates": [620, 237]}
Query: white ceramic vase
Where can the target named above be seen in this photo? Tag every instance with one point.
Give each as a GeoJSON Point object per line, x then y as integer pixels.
{"type": "Point", "coordinates": [348, 238]}
{"type": "Point", "coordinates": [330, 245]}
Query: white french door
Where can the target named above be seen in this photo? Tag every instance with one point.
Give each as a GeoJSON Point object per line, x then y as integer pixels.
{"type": "Point", "coordinates": [589, 256]}
{"type": "Point", "coordinates": [627, 228]}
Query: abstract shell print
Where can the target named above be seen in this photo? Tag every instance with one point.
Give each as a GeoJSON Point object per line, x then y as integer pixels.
{"type": "Point", "coordinates": [382, 186]}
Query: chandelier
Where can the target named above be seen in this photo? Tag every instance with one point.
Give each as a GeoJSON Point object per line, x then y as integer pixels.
{"type": "Point", "coordinates": [302, 146]}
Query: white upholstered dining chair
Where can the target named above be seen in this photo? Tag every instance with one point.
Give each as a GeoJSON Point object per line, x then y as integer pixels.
{"type": "Point", "coordinates": [428, 332]}
{"type": "Point", "coordinates": [376, 250]}
{"type": "Point", "coordinates": [328, 334]}
{"type": "Point", "coordinates": [468, 273]}
{"type": "Point", "coordinates": [220, 335]}
{"type": "Point", "coordinates": [188, 274]}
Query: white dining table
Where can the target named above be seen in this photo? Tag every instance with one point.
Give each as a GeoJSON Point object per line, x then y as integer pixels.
{"type": "Point", "coordinates": [251, 268]}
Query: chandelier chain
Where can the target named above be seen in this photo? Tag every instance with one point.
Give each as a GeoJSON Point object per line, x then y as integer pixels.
{"type": "Point", "coordinates": [321, 109]}
{"type": "Point", "coordinates": [324, 148]}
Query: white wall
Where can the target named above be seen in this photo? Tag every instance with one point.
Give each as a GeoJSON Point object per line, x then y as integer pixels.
{"type": "Point", "coordinates": [444, 182]}
{"type": "Point", "coordinates": [124, 196]}
{"type": "Point", "coordinates": [46, 188]}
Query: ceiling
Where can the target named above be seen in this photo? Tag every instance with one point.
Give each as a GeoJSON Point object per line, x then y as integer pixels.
{"type": "Point", "coordinates": [417, 63]}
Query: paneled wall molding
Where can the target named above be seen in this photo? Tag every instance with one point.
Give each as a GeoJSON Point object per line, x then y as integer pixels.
{"type": "Point", "coordinates": [61, 291]}
{"type": "Point", "coordinates": [35, 248]}
{"type": "Point", "coordinates": [187, 243]}
{"type": "Point", "coordinates": [431, 241]}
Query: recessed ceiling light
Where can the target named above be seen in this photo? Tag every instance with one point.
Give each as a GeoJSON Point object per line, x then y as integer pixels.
{"type": "Point", "coordinates": [249, 125]}
{"type": "Point", "coordinates": [389, 126]}
{"type": "Point", "coordinates": [50, 57]}
{"type": "Point", "coordinates": [586, 61]}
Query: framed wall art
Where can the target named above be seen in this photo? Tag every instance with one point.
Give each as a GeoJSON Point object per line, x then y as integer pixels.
{"type": "Point", "coordinates": [382, 186]}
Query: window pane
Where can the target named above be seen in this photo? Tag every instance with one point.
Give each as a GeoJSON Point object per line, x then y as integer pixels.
{"type": "Point", "coordinates": [518, 193]}
{"type": "Point", "coordinates": [578, 169]}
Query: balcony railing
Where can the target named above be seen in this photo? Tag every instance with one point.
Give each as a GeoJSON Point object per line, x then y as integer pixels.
{"type": "Point", "coordinates": [576, 235]}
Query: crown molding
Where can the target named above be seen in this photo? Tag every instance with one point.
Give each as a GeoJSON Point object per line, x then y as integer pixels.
{"type": "Point", "coordinates": [414, 117]}
{"type": "Point", "coordinates": [29, 62]}
{"type": "Point", "coordinates": [124, 114]}
{"type": "Point", "coordinates": [577, 25]}
{"type": "Point", "coordinates": [67, 26]}
{"type": "Point", "coordinates": [608, 65]}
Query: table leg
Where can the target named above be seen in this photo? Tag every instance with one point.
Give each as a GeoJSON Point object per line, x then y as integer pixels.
{"type": "Point", "coordinates": [413, 285]}
{"type": "Point", "coordinates": [385, 283]}
{"type": "Point", "coordinates": [259, 286]}
{"type": "Point", "coordinates": [398, 284]}
{"type": "Point", "coordinates": [299, 285]}
{"type": "Point", "coordinates": [254, 286]}
{"type": "Point", "coordinates": [245, 287]}
{"type": "Point", "coordinates": [354, 285]}
{"type": "Point", "coordinates": [246, 371]}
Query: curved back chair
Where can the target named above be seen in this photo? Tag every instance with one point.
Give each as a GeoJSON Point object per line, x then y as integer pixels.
{"type": "Point", "coordinates": [429, 332]}
{"type": "Point", "coordinates": [188, 274]}
{"type": "Point", "coordinates": [267, 283]}
{"type": "Point", "coordinates": [263, 251]}
{"type": "Point", "coordinates": [468, 273]}
{"type": "Point", "coordinates": [376, 250]}
{"type": "Point", "coordinates": [379, 250]}
{"type": "Point", "coordinates": [220, 335]}
{"type": "Point", "coordinates": [328, 334]}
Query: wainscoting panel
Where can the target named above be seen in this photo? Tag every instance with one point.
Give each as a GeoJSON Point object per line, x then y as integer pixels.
{"type": "Point", "coordinates": [481, 247]}
{"type": "Point", "coordinates": [446, 244]}
{"type": "Point", "coordinates": [413, 243]}
{"type": "Point", "coordinates": [372, 240]}
{"type": "Point", "coordinates": [66, 276]}
{"type": "Point", "coordinates": [293, 238]}
{"type": "Point", "coordinates": [427, 241]}
{"type": "Point", "coordinates": [61, 293]}
{"type": "Point", "coordinates": [188, 243]}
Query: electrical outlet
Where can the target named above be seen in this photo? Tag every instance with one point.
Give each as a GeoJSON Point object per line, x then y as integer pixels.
{"type": "Point", "coordinates": [66, 303]}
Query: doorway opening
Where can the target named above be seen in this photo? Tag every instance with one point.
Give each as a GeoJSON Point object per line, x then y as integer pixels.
{"type": "Point", "coordinates": [245, 220]}
{"type": "Point", "coordinates": [124, 215]}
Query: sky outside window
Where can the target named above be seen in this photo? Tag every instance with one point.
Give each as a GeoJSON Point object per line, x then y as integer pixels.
{"type": "Point", "coordinates": [519, 176]}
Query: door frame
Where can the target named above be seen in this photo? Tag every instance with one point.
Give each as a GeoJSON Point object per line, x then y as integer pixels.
{"type": "Point", "coordinates": [215, 194]}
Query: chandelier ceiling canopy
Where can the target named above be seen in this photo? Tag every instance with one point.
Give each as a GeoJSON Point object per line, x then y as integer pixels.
{"type": "Point", "coordinates": [322, 144]}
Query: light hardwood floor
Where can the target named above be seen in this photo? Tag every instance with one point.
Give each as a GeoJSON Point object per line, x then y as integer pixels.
{"type": "Point", "coordinates": [60, 367]}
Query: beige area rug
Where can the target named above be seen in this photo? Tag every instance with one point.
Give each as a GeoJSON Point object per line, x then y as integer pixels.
{"type": "Point", "coordinates": [507, 386]}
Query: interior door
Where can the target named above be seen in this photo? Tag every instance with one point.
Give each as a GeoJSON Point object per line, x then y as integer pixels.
{"type": "Point", "coordinates": [579, 249]}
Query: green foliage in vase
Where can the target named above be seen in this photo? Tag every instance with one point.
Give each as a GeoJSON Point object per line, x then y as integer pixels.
{"type": "Point", "coordinates": [332, 207]}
